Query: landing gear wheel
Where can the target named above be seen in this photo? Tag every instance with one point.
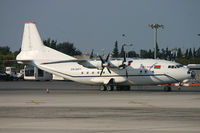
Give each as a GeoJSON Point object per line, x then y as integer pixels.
{"type": "Point", "coordinates": [167, 88]}
{"type": "Point", "coordinates": [102, 88]}
{"type": "Point", "coordinates": [110, 87]}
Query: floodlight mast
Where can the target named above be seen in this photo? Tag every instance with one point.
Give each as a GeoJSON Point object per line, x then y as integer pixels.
{"type": "Point", "coordinates": [126, 45]}
{"type": "Point", "coordinates": [155, 26]}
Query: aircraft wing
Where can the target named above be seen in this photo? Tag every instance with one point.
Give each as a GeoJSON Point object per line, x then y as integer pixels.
{"type": "Point", "coordinates": [65, 61]}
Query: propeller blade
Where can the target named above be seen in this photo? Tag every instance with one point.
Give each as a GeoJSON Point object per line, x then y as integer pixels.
{"type": "Point", "coordinates": [126, 74]}
{"type": "Point", "coordinates": [122, 65]}
{"type": "Point", "coordinates": [107, 57]}
{"type": "Point", "coordinates": [108, 70]}
{"type": "Point", "coordinates": [124, 57]}
{"type": "Point", "coordinates": [101, 72]}
{"type": "Point", "coordinates": [102, 60]}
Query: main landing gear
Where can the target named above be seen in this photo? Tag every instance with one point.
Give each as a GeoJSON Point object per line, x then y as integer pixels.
{"type": "Point", "coordinates": [106, 88]}
{"type": "Point", "coordinates": [112, 87]}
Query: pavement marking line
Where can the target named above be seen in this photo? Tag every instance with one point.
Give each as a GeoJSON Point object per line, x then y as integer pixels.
{"type": "Point", "coordinates": [144, 104]}
{"type": "Point", "coordinates": [33, 101]}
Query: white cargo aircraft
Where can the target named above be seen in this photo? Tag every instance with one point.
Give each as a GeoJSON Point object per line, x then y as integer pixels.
{"type": "Point", "coordinates": [107, 73]}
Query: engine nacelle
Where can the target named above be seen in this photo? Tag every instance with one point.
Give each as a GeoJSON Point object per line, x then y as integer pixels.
{"type": "Point", "coordinates": [92, 64]}
{"type": "Point", "coordinates": [98, 64]}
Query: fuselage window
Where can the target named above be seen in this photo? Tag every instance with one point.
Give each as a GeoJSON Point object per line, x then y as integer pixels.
{"type": "Point", "coordinates": [140, 71]}
{"type": "Point", "coordinates": [145, 71]}
{"type": "Point", "coordinates": [172, 67]}
{"type": "Point", "coordinates": [87, 72]}
{"type": "Point", "coordinates": [81, 72]}
{"type": "Point", "coordinates": [97, 72]}
{"type": "Point", "coordinates": [92, 72]}
{"type": "Point", "coordinates": [169, 66]}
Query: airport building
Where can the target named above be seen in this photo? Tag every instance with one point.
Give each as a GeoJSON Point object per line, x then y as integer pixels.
{"type": "Point", "coordinates": [34, 73]}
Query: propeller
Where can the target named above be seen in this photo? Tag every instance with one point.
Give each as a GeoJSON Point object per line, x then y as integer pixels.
{"type": "Point", "coordinates": [125, 64]}
{"type": "Point", "coordinates": [105, 63]}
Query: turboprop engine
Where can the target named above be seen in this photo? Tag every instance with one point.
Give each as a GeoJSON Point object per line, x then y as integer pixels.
{"type": "Point", "coordinates": [106, 63]}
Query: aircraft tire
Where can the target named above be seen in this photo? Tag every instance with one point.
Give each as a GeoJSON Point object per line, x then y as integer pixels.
{"type": "Point", "coordinates": [109, 87]}
{"type": "Point", "coordinates": [102, 88]}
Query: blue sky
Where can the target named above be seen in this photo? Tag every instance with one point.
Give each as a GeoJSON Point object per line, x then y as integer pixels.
{"type": "Point", "coordinates": [97, 24]}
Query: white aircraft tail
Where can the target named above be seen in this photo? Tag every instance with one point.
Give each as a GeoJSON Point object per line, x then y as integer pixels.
{"type": "Point", "coordinates": [31, 38]}
{"type": "Point", "coordinates": [33, 49]}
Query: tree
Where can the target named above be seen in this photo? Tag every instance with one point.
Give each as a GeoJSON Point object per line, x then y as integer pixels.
{"type": "Point", "coordinates": [47, 42]}
{"type": "Point", "coordinates": [167, 53]}
{"type": "Point", "coordinates": [68, 48]}
{"type": "Point", "coordinates": [179, 53]}
{"type": "Point", "coordinates": [65, 47]}
{"type": "Point", "coordinates": [150, 54]}
{"type": "Point", "coordinates": [194, 53]}
{"type": "Point", "coordinates": [5, 50]}
{"type": "Point", "coordinates": [122, 52]}
{"type": "Point", "coordinates": [144, 54]}
{"type": "Point", "coordinates": [50, 43]}
{"type": "Point", "coordinates": [162, 54]}
{"type": "Point", "coordinates": [190, 53]}
{"type": "Point", "coordinates": [115, 50]}
{"type": "Point", "coordinates": [53, 44]}
{"type": "Point", "coordinates": [132, 54]}
{"type": "Point", "coordinates": [186, 54]}
{"type": "Point", "coordinates": [198, 53]}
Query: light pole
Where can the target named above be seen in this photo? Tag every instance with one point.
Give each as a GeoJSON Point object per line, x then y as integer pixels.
{"type": "Point", "coordinates": [127, 45]}
{"type": "Point", "coordinates": [155, 26]}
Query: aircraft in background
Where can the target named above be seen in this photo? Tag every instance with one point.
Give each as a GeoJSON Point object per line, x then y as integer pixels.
{"type": "Point", "coordinates": [107, 73]}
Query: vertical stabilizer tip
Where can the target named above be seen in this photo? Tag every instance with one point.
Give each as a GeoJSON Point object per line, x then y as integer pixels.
{"type": "Point", "coordinates": [30, 23]}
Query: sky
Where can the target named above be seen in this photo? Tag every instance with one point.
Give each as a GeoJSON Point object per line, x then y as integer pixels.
{"type": "Point", "coordinates": [97, 24]}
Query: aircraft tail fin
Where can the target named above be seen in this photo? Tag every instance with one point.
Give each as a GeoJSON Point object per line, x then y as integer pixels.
{"type": "Point", "coordinates": [31, 38]}
{"type": "Point", "coordinates": [33, 48]}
